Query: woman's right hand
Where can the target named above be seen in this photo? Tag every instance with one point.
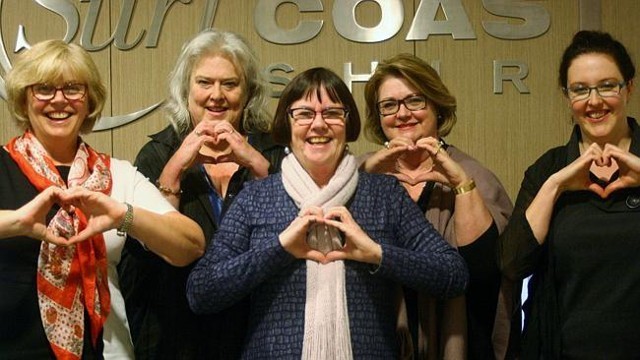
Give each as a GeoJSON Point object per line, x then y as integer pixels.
{"type": "Point", "coordinates": [189, 151]}
{"type": "Point", "coordinates": [384, 161]}
{"type": "Point", "coordinates": [576, 176]}
{"type": "Point", "coordinates": [30, 219]}
{"type": "Point", "coordinates": [294, 238]}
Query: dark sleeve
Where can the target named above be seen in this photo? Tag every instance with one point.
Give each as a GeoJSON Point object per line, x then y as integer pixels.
{"type": "Point", "coordinates": [230, 268]}
{"type": "Point", "coordinates": [151, 159]}
{"type": "Point", "coordinates": [420, 258]}
{"type": "Point", "coordinates": [518, 250]}
{"type": "Point", "coordinates": [480, 257]}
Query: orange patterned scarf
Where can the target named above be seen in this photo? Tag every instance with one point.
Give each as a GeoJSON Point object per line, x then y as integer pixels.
{"type": "Point", "coordinates": [70, 279]}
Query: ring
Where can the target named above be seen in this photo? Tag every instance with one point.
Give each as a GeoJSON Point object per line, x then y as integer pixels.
{"type": "Point", "coordinates": [197, 132]}
{"type": "Point", "coordinates": [386, 144]}
{"type": "Point", "coordinates": [438, 148]}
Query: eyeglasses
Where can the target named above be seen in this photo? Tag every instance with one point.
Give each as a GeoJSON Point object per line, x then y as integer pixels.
{"type": "Point", "coordinates": [70, 91]}
{"type": "Point", "coordinates": [580, 92]}
{"type": "Point", "coordinates": [332, 115]}
{"type": "Point", "coordinates": [391, 106]}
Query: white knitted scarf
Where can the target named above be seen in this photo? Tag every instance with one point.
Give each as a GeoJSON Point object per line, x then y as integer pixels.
{"type": "Point", "coordinates": [326, 320]}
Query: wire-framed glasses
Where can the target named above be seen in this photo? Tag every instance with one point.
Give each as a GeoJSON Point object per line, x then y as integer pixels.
{"type": "Point", "coordinates": [412, 102]}
{"type": "Point", "coordinates": [331, 115]}
{"type": "Point", "coordinates": [578, 92]}
{"type": "Point", "coordinates": [71, 91]}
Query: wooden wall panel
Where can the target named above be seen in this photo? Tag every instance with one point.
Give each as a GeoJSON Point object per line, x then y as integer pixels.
{"type": "Point", "coordinates": [505, 131]}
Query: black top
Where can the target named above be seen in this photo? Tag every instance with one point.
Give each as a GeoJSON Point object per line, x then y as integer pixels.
{"type": "Point", "coordinates": [162, 325]}
{"type": "Point", "coordinates": [586, 276]}
{"type": "Point", "coordinates": [22, 335]}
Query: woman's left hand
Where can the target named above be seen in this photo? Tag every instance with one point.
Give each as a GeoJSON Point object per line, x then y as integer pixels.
{"type": "Point", "coordinates": [241, 151]}
{"type": "Point", "coordinates": [102, 212]}
{"type": "Point", "coordinates": [628, 167]}
{"type": "Point", "coordinates": [445, 170]}
{"type": "Point", "coordinates": [358, 245]}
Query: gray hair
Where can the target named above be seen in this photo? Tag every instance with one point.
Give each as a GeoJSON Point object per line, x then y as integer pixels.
{"type": "Point", "coordinates": [234, 48]}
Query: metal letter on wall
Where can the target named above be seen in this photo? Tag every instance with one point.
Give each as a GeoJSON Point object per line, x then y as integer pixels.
{"type": "Point", "coordinates": [425, 23]}
{"type": "Point", "coordinates": [278, 80]}
{"type": "Point", "coordinates": [536, 19]}
{"type": "Point", "coordinates": [344, 19]}
{"type": "Point", "coordinates": [516, 78]}
{"type": "Point", "coordinates": [349, 77]}
{"type": "Point", "coordinates": [264, 17]}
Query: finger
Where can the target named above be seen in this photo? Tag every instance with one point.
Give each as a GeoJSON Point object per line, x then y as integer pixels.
{"type": "Point", "coordinates": [313, 210]}
{"type": "Point", "coordinates": [50, 237]}
{"type": "Point", "coordinates": [598, 190]}
{"type": "Point", "coordinates": [401, 142]}
{"type": "Point", "coordinates": [315, 255]}
{"type": "Point", "coordinates": [403, 178]}
{"type": "Point", "coordinates": [336, 255]}
{"type": "Point", "coordinates": [611, 188]}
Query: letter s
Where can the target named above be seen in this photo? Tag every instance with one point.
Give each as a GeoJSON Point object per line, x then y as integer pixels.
{"type": "Point", "coordinates": [536, 19]}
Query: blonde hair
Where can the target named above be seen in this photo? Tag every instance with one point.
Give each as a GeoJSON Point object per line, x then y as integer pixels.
{"type": "Point", "coordinates": [49, 62]}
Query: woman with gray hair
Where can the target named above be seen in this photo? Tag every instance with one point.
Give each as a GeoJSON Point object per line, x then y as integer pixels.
{"type": "Point", "coordinates": [216, 142]}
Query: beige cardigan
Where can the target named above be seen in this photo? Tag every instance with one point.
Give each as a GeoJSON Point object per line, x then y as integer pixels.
{"type": "Point", "coordinates": [453, 329]}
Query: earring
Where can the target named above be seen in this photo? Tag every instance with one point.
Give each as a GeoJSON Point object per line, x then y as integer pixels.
{"type": "Point", "coordinates": [346, 148]}
{"type": "Point", "coordinates": [287, 150]}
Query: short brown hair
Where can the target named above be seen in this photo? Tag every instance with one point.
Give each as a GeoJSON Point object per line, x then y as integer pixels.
{"type": "Point", "coordinates": [48, 62]}
{"type": "Point", "coordinates": [305, 85]}
{"type": "Point", "coordinates": [422, 77]}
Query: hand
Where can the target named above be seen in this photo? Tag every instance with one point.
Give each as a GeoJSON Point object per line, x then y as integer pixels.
{"type": "Point", "coordinates": [576, 176]}
{"type": "Point", "coordinates": [443, 169]}
{"type": "Point", "coordinates": [239, 150]}
{"type": "Point", "coordinates": [358, 245]}
{"type": "Point", "coordinates": [294, 238]}
{"type": "Point", "coordinates": [384, 161]}
{"type": "Point", "coordinates": [628, 167]}
{"type": "Point", "coordinates": [32, 216]}
{"type": "Point", "coordinates": [102, 212]}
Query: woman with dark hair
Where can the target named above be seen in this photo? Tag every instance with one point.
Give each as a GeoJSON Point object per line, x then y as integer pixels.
{"type": "Point", "coordinates": [574, 227]}
{"type": "Point", "coordinates": [321, 247]}
{"type": "Point", "coordinates": [217, 140]}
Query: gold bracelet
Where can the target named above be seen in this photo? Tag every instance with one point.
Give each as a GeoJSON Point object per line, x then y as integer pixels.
{"type": "Point", "coordinates": [465, 188]}
{"type": "Point", "coordinates": [166, 191]}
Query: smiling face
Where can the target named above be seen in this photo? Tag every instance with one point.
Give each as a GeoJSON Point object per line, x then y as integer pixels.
{"type": "Point", "coordinates": [216, 91]}
{"type": "Point", "coordinates": [318, 146]}
{"type": "Point", "coordinates": [409, 124]}
{"type": "Point", "coordinates": [56, 122]}
{"type": "Point", "coordinates": [601, 119]}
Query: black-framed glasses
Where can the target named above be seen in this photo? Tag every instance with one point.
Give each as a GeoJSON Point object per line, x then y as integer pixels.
{"type": "Point", "coordinates": [70, 91]}
{"type": "Point", "coordinates": [331, 115]}
{"type": "Point", "coordinates": [412, 102]}
{"type": "Point", "coordinates": [579, 92]}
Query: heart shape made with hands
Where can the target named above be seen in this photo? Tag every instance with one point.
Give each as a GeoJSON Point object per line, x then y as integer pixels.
{"type": "Point", "coordinates": [216, 150]}
{"type": "Point", "coordinates": [417, 175]}
{"type": "Point", "coordinates": [324, 237]}
{"type": "Point", "coordinates": [605, 174]}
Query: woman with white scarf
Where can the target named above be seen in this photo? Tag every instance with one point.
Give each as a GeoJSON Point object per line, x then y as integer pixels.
{"type": "Point", "coordinates": [321, 247]}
